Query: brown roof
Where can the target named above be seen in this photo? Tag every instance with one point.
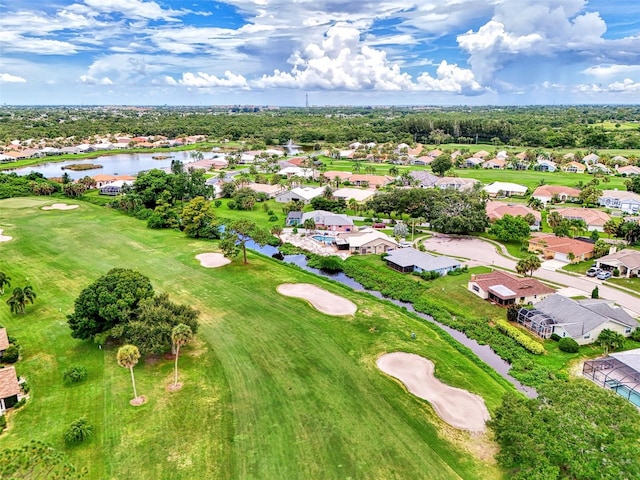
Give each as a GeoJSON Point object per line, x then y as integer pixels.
{"type": "Point", "coordinates": [561, 244]}
{"type": "Point", "coordinates": [331, 174]}
{"type": "Point", "coordinates": [4, 339]}
{"type": "Point", "coordinates": [591, 217]}
{"type": "Point", "coordinates": [551, 190]}
{"type": "Point", "coordinates": [8, 382]}
{"type": "Point", "coordinates": [497, 210]}
{"type": "Point", "coordinates": [371, 179]}
{"type": "Point", "coordinates": [522, 287]}
{"type": "Point", "coordinates": [496, 161]}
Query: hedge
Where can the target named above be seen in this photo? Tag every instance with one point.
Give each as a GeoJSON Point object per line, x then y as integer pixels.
{"type": "Point", "coordinates": [522, 338]}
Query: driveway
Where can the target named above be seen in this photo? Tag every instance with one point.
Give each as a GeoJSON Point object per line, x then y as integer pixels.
{"type": "Point", "coordinates": [481, 252]}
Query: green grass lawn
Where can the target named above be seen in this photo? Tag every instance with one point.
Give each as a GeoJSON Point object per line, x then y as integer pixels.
{"type": "Point", "coordinates": [273, 388]}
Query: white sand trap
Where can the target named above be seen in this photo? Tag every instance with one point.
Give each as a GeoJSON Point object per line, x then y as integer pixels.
{"type": "Point", "coordinates": [322, 300]}
{"type": "Point", "coordinates": [4, 238]}
{"type": "Point", "coordinates": [60, 206]}
{"type": "Point", "coordinates": [212, 260]}
{"type": "Point", "coordinates": [457, 407]}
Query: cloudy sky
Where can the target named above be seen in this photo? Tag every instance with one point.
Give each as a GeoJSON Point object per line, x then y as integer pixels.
{"type": "Point", "coordinates": [353, 52]}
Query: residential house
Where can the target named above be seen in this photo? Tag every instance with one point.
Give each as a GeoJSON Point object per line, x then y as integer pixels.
{"type": "Point", "coordinates": [357, 194]}
{"type": "Point", "coordinates": [422, 161]}
{"type": "Point", "coordinates": [472, 162]}
{"type": "Point", "coordinates": [103, 179]}
{"type": "Point", "coordinates": [599, 168]}
{"type": "Point", "coordinates": [367, 241]}
{"type": "Point", "coordinates": [7, 158]}
{"type": "Point", "coordinates": [331, 175]}
{"type": "Point", "coordinates": [497, 210]}
{"type": "Point", "coordinates": [620, 159]}
{"type": "Point", "coordinates": [114, 188]}
{"type": "Point", "coordinates": [626, 261]}
{"type": "Point", "coordinates": [582, 320]}
{"type": "Point", "coordinates": [495, 163]}
{"type": "Point", "coordinates": [628, 170]}
{"type": "Point", "coordinates": [411, 260]}
{"type": "Point", "coordinates": [334, 222]}
{"type": "Point", "coordinates": [504, 288]}
{"type": "Point", "coordinates": [559, 193]}
{"type": "Point", "coordinates": [306, 173]}
{"type": "Point", "coordinates": [505, 189]}
{"type": "Point", "coordinates": [347, 154]}
{"type": "Point", "coordinates": [456, 183]}
{"type": "Point", "coordinates": [4, 341]}
{"type": "Point", "coordinates": [574, 167]}
{"type": "Point", "coordinates": [481, 154]}
{"type": "Point", "coordinates": [10, 392]}
{"type": "Point", "coordinates": [502, 155]}
{"type": "Point", "coordinates": [270, 190]}
{"type": "Point", "coordinates": [294, 218]}
{"type": "Point", "coordinates": [595, 219]}
{"type": "Point", "coordinates": [370, 181]}
{"type": "Point", "coordinates": [435, 153]}
{"type": "Point", "coordinates": [544, 165]}
{"type": "Point", "coordinates": [299, 194]}
{"type": "Point", "coordinates": [424, 179]}
{"type": "Point", "coordinates": [618, 371]}
{"type": "Point", "coordinates": [564, 249]}
{"type": "Point", "coordinates": [590, 159]}
{"type": "Point", "coordinates": [628, 202]}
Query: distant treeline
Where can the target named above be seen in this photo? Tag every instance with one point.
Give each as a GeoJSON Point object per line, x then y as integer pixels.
{"type": "Point", "coordinates": [548, 127]}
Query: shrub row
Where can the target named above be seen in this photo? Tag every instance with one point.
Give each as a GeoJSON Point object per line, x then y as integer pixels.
{"type": "Point", "coordinates": [522, 338]}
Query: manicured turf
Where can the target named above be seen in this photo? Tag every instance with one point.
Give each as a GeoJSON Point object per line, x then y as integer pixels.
{"type": "Point", "coordinates": [273, 388]}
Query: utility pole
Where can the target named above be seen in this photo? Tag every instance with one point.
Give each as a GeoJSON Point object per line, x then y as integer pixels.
{"type": "Point", "coordinates": [306, 95]}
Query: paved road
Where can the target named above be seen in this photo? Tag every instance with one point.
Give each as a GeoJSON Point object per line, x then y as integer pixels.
{"type": "Point", "coordinates": [480, 252]}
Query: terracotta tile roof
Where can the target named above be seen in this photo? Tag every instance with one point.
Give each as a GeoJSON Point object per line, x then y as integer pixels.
{"type": "Point", "coordinates": [551, 190]}
{"type": "Point", "coordinates": [497, 210]}
{"type": "Point", "coordinates": [8, 382]}
{"type": "Point", "coordinates": [561, 244]}
{"type": "Point", "coordinates": [371, 179]}
{"type": "Point", "coordinates": [591, 217]}
{"type": "Point", "coordinates": [521, 287]}
{"type": "Point", "coordinates": [4, 339]}
{"type": "Point", "coordinates": [331, 174]}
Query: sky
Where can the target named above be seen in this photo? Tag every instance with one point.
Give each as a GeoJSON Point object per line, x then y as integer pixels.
{"type": "Point", "coordinates": [333, 52]}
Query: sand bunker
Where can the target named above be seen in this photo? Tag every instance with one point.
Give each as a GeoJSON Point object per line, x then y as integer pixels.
{"type": "Point", "coordinates": [322, 300]}
{"type": "Point", "coordinates": [4, 238]}
{"type": "Point", "coordinates": [212, 260]}
{"type": "Point", "coordinates": [60, 206]}
{"type": "Point", "coordinates": [455, 406]}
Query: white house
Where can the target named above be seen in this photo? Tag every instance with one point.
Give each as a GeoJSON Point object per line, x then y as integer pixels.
{"type": "Point", "coordinates": [505, 188]}
{"type": "Point", "coordinates": [628, 202]}
{"type": "Point", "coordinates": [299, 194]}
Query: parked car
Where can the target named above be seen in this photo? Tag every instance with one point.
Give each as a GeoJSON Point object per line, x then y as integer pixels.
{"type": "Point", "coordinates": [604, 275]}
{"type": "Point", "coordinates": [593, 271]}
{"type": "Point", "coordinates": [379, 225]}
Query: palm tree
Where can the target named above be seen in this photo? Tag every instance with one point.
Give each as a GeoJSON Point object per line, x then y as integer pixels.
{"type": "Point", "coordinates": [353, 205]}
{"type": "Point", "coordinates": [309, 224]}
{"type": "Point", "coordinates": [277, 231]}
{"type": "Point", "coordinates": [4, 281]}
{"type": "Point", "coordinates": [370, 169]}
{"type": "Point", "coordinates": [180, 335]}
{"type": "Point", "coordinates": [414, 222]}
{"type": "Point", "coordinates": [528, 264]}
{"type": "Point", "coordinates": [128, 356]}
{"type": "Point", "coordinates": [20, 298]}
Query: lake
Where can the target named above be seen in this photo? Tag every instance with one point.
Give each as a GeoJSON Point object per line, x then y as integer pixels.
{"type": "Point", "coordinates": [119, 164]}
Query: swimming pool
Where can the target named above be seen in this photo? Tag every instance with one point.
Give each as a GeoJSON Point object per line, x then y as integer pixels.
{"type": "Point", "coordinates": [324, 238]}
{"type": "Point", "coordinates": [625, 392]}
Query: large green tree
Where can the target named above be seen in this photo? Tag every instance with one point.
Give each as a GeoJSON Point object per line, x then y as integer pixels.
{"type": "Point", "coordinates": [459, 212]}
{"type": "Point", "coordinates": [199, 219]}
{"type": "Point", "coordinates": [528, 264]}
{"type": "Point", "coordinates": [510, 228]}
{"type": "Point", "coordinates": [238, 233]}
{"type": "Point", "coordinates": [633, 184]}
{"type": "Point", "coordinates": [441, 164]}
{"type": "Point", "coordinates": [111, 300]}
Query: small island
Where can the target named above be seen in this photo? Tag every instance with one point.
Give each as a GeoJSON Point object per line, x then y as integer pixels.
{"type": "Point", "coordinates": [81, 166]}
{"type": "Point", "coordinates": [161, 157]}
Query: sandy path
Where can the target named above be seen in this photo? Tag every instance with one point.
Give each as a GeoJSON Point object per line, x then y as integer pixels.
{"type": "Point", "coordinates": [321, 299]}
{"type": "Point", "coordinates": [212, 260]}
{"type": "Point", "coordinates": [60, 206]}
{"type": "Point", "coordinates": [459, 408]}
{"type": "Point", "coordinates": [4, 238]}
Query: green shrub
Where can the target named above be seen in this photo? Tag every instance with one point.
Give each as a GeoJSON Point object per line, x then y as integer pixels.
{"type": "Point", "coordinates": [79, 431]}
{"type": "Point", "coordinates": [20, 403]}
{"type": "Point", "coordinates": [74, 374]}
{"type": "Point", "coordinates": [25, 387]}
{"type": "Point", "coordinates": [555, 337]}
{"type": "Point", "coordinates": [231, 205]}
{"type": "Point", "coordinates": [635, 335]}
{"type": "Point", "coordinates": [273, 218]}
{"type": "Point", "coordinates": [3, 422]}
{"type": "Point", "coordinates": [217, 203]}
{"type": "Point", "coordinates": [11, 354]}
{"type": "Point", "coordinates": [568, 345]}
{"type": "Point", "coordinates": [520, 337]}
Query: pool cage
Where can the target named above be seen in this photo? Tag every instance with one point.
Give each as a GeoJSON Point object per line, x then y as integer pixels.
{"type": "Point", "coordinates": [538, 322]}
{"type": "Point", "coordinates": [611, 373]}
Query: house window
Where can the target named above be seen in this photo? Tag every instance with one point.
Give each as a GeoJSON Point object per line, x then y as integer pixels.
{"type": "Point", "coordinates": [588, 335]}
{"type": "Point", "coordinates": [627, 330]}
{"type": "Point", "coordinates": [476, 288]}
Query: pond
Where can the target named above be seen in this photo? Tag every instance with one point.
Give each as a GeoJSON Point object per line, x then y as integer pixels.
{"type": "Point", "coordinates": [483, 352]}
{"type": "Point", "coordinates": [118, 164]}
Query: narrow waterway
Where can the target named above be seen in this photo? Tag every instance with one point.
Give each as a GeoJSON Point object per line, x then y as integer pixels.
{"type": "Point", "coordinates": [483, 352]}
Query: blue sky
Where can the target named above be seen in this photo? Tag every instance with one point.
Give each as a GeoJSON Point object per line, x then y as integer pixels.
{"type": "Point", "coordinates": [359, 52]}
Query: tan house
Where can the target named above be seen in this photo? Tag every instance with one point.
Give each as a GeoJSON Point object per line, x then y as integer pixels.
{"type": "Point", "coordinates": [495, 163]}
{"type": "Point", "coordinates": [367, 241]}
{"type": "Point", "coordinates": [503, 288]}
{"type": "Point", "coordinates": [564, 249]}
{"type": "Point", "coordinates": [4, 341]}
{"type": "Point", "coordinates": [10, 392]}
{"type": "Point", "coordinates": [497, 210]}
{"type": "Point", "coordinates": [332, 174]}
{"type": "Point", "coordinates": [595, 219]}
{"type": "Point", "coordinates": [370, 181]}
{"type": "Point", "coordinates": [574, 167]}
{"type": "Point", "coordinates": [546, 193]}
{"type": "Point", "coordinates": [456, 183]}
{"type": "Point", "coordinates": [627, 262]}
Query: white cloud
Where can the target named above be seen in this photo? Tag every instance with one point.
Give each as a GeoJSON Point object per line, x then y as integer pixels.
{"type": "Point", "coordinates": [451, 78]}
{"type": "Point", "coordinates": [134, 9]}
{"type": "Point", "coordinates": [8, 78]}
{"type": "Point", "coordinates": [201, 80]}
{"type": "Point", "coordinates": [625, 86]}
{"type": "Point", "coordinates": [88, 80]}
{"type": "Point", "coordinates": [611, 70]}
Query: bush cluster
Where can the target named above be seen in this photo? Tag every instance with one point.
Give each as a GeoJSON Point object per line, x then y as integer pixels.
{"type": "Point", "coordinates": [74, 374]}
{"type": "Point", "coordinates": [568, 345]}
{"type": "Point", "coordinates": [79, 431]}
{"type": "Point", "coordinates": [11, 354]}
{"type": "Point", "coordinates": [522, 338]}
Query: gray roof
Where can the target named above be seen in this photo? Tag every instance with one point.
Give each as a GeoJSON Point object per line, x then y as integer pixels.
{"type": "Point", "coordinates": [322, 217]}
{"type": "Point", "coordinates": [426, 179]}
{"type": "Point", "coordinates": [630, 358]}
{"type": "Point", "coordinates": [580, 317]}
{"type": "Point", "coordinates": [408, 257]}
{"type": "Point", "coordinates": [294, 215]}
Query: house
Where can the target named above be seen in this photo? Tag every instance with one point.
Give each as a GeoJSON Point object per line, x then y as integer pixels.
{"type": "Point", "coordinates": [289, 172]}
{"type": "Point", "coordinates": [592, 159]}
{"type": "Point", "coordinates": [582, 320]}
{"type": "Point", "coordinates": [456, 183]}
{"type": "Point", "coordinates": [114, 188]}
{"type": "Point", "coordinates": [628, 202]}
{"type": "Point", "coordinates": [497, 210]}
{"type": "Point", "coordinates": [4, 341]}
{"type": "Point", "coordinates": [10, 392]}
{"type": "Point", "coordinates": [334, 222]}
{"type": "Point", "coordinates": [620, 159]}
{"type": "Point", "coordinates": [574, 167]}
{"type": "Point", "coordinates": [411, 260]}
{"type": "Point", "coordinates": [595, 219]}
{"type": "Point", "coordinates": [472, 162]}
{"type": "Point", "coordinates": [564, 249]}
{"type": "Point", "coordinates": [423, 179]}
{"type": "Point", "coordinates": [545, 165]}
{"type": "Point", "coordinates": [505, 189]}
{"type": "Point", "coordinates": [599, 168]}
{"type": "Point", "coordinates": [294, 218]}
{"type": "Point", "coordinates": [347, 154]}
{"type": "Point", "coordinates": [331, 175]}
{"type": "Point", "coordinates": [619, 371]}
{"type": "Point", "coordinates": [481, 154]}
{"type": "Point", "coordinates": [356, 194]}
{"type": "Point", "coordinates": [559, 193]}
{"type": "Point", "coordinates": [628, 170]}
{"type": "Point", "coordinates": [422, 161]}
{"type": "Point", "coordinates": [506, 289]}
{"type": "Point", "coordinates": [502, 155]}
{"type": "Point", "coordinates": [371, 181]}
{"type": "Point", "coordinates": [626, 261]}
{"type": "Point", "coordinates": [299, 194]}
{"type": "Point", "coordinates": [495, 163]}
{"type": "Point", "coordinates": [368, 241]}
{"type": "Point", "coordinates": [7, 158]}
{"type": "Point", "coordinates": [270, 190]}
